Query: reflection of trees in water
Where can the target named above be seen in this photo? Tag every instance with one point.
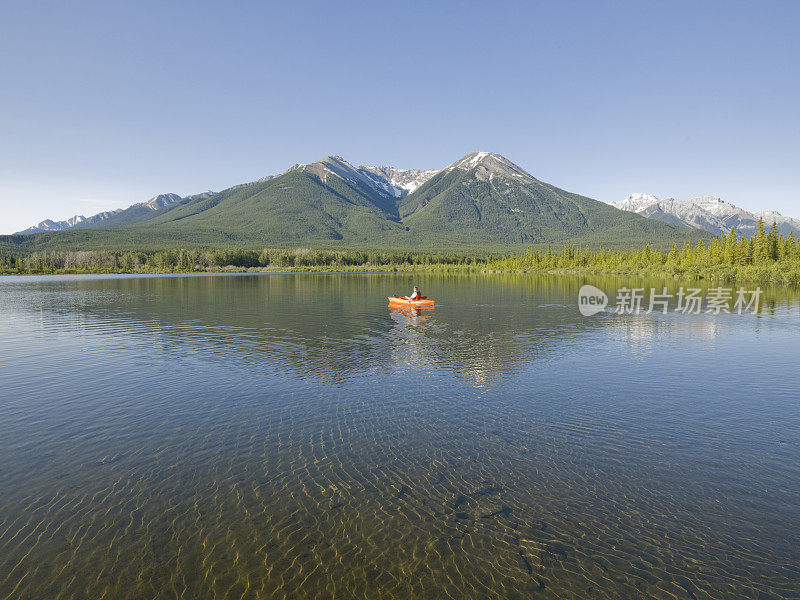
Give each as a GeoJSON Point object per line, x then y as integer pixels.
{"type": "Point", "coordinates": [642, 333]}
{"type": "Point", "coordinates": [333, 326]}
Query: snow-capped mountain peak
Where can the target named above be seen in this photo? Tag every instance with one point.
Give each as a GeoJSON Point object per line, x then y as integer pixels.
{"type": "Point", "coordinates": [705, 212]}
{"type": "Point", "coordinates": [489, 164]}
{"type": "Point", "coordinates": [50, 225]}
{"type": "Point", "coordinates": [154, 203]}
{"type": "Point", "coordinates": [637, 202]}
{"type": "Point", "coordinates": [336, 166]}
{"type": "Point", "coordinates": [387, 181]}
{"type": "Point", "coordinates": [396, 182]}
{"type": "Point", "coordinates": [161, 201]}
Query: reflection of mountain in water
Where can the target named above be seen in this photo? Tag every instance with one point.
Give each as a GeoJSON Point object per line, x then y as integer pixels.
{"type": "Point", "coordinates": [420, 341]}
{"type": "Point", "coordinates": [335, 327]}
{"type": "Point", "coordinates": [321, 325]}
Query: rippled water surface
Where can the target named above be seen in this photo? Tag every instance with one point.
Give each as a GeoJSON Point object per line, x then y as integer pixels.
{"type": "Point", "coordinates": [288, 436]}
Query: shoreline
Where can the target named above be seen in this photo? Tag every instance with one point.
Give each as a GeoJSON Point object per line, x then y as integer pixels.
{"type": "Point", "coordinates": [764, 258]}
{"type": "Point", "coordinates": [768, 274]}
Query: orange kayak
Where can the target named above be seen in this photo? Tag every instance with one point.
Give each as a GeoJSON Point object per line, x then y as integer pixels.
{"type": "Point", "coordinates": [401, 301]}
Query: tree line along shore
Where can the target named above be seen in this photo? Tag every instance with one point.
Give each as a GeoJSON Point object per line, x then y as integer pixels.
{"type": "Point", "coordinates": [766, 257]}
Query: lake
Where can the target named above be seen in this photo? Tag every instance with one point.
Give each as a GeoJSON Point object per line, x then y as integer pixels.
{"type": "Point", "coordinates": [287, 435]}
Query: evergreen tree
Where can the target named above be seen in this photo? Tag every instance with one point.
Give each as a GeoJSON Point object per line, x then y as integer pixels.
{"type": "Point", "coordinates": [760, 243]}
{"type": "Point", "coordinates": [745, 253]}
{"type": "Point", "coordinates": [772, 242]}
{"type": "Point", "coordinates": [787, 247]}
{"type": "Point", "coordinates": [672, 257]}
{"type": "Point", "coordinates": [731, 247]}
{"type": "Point", "coordinates": [699, 254]}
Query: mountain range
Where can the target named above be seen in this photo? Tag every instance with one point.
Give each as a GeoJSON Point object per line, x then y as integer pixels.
{"type": "Point", "coordinates": [387, 180]}
{"type": "Point", "coordinates": [708, 213]}
{"type": "Point", "coordinates": [481, 200]}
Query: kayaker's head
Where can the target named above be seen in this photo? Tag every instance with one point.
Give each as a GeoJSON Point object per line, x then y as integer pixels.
{"type": "Point", "coordinates": [416, 289]}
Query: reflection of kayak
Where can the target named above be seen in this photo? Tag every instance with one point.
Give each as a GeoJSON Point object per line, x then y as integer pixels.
{"type": "Point", "coordinates": [401, 301]}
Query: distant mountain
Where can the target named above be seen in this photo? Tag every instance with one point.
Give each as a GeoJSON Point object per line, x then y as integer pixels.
{"type": "Point", "coordinates": [50, 225]}
{"type": "Point", "coordinates": [104, 219]}
{"type": "Point", "coordinates": [482, 200]}
{"type": "Point", "coordinates": [709, 213]}
{"type": "Point", "coordinates": [143, 212]}
{"type": "Point", "coordinates": [785, 224]}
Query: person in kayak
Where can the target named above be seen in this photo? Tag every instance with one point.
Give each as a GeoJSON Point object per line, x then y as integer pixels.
{"type": "Point", "coordinates": [415, 295]}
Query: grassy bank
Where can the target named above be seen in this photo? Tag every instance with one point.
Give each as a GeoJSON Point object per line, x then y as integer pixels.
{"type": "Point", "coordinates": [766, 257]}
{"type": "Point", "coordinates": [776, 274]}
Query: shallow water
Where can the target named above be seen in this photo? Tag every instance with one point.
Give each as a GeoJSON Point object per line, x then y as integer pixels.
{"type": "Point", "coordinates": [284, 435]}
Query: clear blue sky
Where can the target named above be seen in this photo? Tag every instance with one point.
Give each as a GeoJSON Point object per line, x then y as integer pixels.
{"type": "Point", "coordinates": [103, 104]}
